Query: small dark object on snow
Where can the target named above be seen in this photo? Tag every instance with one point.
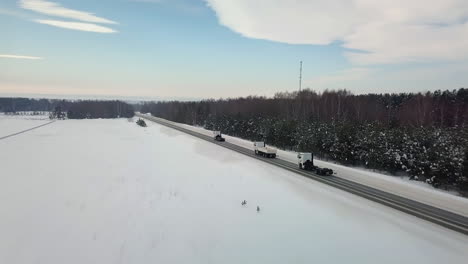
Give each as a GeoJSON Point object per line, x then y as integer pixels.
{"type": "Point", "coordinates": [141, 122]}
{"type": "Point", "coordinates": [218, 136]}
{"type": "Point", "coordinates": [244, 202]}
{"type": "Point", "coordinates": [258, 208]}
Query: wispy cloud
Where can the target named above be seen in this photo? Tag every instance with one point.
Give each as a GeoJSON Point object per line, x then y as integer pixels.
{"type": "Point", "coordinates": [88, 20]}
{"type": "Point", "coordinates": [11, 56]}
{"type": "Point", "coordinates": [76, 26]}
{"type": "Point", "coordinates": [55, 9]}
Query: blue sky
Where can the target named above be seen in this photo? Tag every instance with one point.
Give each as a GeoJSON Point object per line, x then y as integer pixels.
{"type": "Point", "coordinates": [227, 48]}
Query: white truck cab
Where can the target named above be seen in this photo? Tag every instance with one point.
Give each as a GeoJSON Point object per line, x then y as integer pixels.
{"type": "Point", "coordinates": [305, 160]}
{"type": "Point", "coordinates": [259, 144]}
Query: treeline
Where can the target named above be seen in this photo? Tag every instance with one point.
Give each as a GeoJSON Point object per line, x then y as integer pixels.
{"type": "Point", "coordinates": [13, 105]}
{"type": "Point", "coordinates": [422, 135]}
{"type": "Point", "coordinates": [439, 109]}
{"type": "Point", "coordinates": [77, 109]}
{"type": "Point", "coordinates": [99, 109]}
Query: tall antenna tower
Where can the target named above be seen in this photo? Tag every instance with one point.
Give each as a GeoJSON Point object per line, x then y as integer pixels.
{"type": "Point", "coordinates": [300, 77]}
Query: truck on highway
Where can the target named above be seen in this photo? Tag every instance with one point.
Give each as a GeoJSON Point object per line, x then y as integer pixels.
{"type": "Point", "coordinates": [261, 149]}
{"type": "Point", "coordinates": [218, 136]}
{"type": "Point", "coordinates": [305, 161]}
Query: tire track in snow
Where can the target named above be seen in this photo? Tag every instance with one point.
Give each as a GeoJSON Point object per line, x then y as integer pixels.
{"type": "Point", "coordinates": [27, 130]}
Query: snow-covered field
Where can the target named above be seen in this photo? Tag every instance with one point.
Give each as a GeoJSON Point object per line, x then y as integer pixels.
{"type": "Point", "coordinates": [108, 191]}
{"type": "Point", "coordinates": [414, 190]}
{"type": "Point", "coordinates": [10, 124]}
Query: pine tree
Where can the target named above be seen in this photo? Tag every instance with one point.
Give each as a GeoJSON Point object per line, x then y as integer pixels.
{"type": "Point", "coordinates": [464, 178]}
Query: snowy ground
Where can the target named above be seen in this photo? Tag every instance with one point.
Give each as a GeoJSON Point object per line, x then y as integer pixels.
{"type": "Point", "coordinates": [108, 191]}
{"type": "Point", "coordinates": [10, 124]}
{"type": "Point", "coordinates": [417, 191]}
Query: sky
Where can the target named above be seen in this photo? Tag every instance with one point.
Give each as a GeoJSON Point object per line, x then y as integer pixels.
{"type": "Point", "coordinates": [230, 48]}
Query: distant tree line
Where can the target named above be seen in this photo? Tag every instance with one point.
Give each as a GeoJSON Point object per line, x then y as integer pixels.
{"type": "Point", "coordinates": [424, 135]}
{"type": "Point", "coordinates": [99, 109]}
{"type": "Point", "coordinates": [13, 105]}
{"type": "Point", "coordinates": [77, 109]}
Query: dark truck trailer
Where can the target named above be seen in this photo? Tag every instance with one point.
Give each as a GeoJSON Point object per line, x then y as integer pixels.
{"type": "Point", "coordinates": [217, 136]}
{"type": "Point", "coordinates": [305, 161]}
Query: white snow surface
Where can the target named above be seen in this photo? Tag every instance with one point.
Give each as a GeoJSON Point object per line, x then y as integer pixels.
{"type": "Point", "coordinates": [10, 124]}
{"type": "Point", "coordinates": [109, 191]}
{"type": "Point", "coordinates": [414, 190]}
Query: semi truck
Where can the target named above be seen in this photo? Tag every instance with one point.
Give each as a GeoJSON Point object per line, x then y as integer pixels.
{"type": "Point", "coordinates": [261, 149]}
{"type": "Point", "coordinates": [218, 136]}
{"type": "Point", "coordinates": [305, 161]}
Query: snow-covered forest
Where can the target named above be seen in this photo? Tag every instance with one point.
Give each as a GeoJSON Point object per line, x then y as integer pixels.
{"type": "Point", "coordinates": [422, 135]}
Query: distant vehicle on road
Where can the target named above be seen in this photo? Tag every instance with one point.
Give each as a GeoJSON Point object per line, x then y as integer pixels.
{"type": "Point", "coordinates": [218, 136]}
{"type": "Point", "coordinates": [262, 150]}
{"type": "Point", "coordinates": [141, 122]}
{"type": "Point", "coordinates": [305, 161]}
